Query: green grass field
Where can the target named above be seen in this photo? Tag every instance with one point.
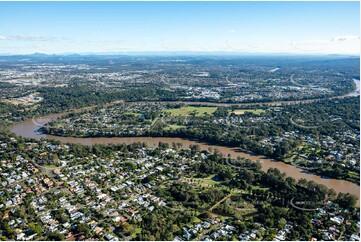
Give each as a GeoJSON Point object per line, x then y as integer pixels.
{"type": "Point", "coordinates": [208, 180]}
{"type": "Point", "coordinates": [259, 188]}
{"type": "Point", "coordinates": [242, 111]}
{"type": "Point", "coordinates": [51, 167]}
{"type": "Point", "coordinates": [187, 110]}
{"type": "Point", "coordinates": [174, 126]}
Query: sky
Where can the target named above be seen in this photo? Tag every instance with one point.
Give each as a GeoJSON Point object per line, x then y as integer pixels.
{"type": "Point", "coordinates": [255, 27]}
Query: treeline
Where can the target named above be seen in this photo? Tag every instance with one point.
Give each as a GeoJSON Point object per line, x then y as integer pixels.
{"type": "Point", "coordinates": [245, 174]}
{"type": "Point", "coordinates": [58, 99]}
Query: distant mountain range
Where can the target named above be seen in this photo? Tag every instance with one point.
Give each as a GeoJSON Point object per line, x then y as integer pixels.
{"type": "Point", "coordinates": [173, 53]}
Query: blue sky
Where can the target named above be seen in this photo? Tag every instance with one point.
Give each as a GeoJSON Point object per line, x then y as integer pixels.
{"type": "Point", "coordinates": [262, 27]}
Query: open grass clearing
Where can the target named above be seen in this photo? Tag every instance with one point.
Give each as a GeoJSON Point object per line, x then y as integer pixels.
{"type": "Point", "coordinates": [188, 110]}
{"type": "Point", "coordinates": [51, 167]}
{"type": "Point", "coordinates": [174, 127]}
{"type": "Point", "coordinates": [206, 182]}
{"type": "Point", "coordinates": [242, 111]}
{"type": "Point", "coordinates": [259, 188]}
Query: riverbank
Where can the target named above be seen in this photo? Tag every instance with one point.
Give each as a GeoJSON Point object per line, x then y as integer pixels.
{"type": "Point", "coordinates": [29, 129]}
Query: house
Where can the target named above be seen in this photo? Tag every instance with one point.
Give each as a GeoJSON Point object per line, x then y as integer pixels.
{"type": "Point", "coordinates": [198, 227]}
{"type": "Point", "coordinates": [355, 237]}
{"type": "Point", "coordinates": [244, 237]}
{"type": "Point", "coordinates": [338, 220]}
{"type": "Point", "coordinates": [193, 231]}
{"type": "Point", "coordinates": [131, 212]}
{"type": "Point", "coordinates": [281, 235]}
{"type": "Point", "coordinates": [186, 234]}
{"type": "Point", "coordinates": [97, 230]}
{"type": "Point", "coordinates": [206, 225]}
{"type": "Point", "coordinates": [177, 238]}
{"type": "Point", "coordinates": [116, 219]}
{"type": "Point", "coordinates": [214, 235]}
{"type": "Point", "coordinates": [229, 228]}
{"type": "Point", "coordinates": [31, 237]}
{"type": "Point", "coordinates": [253, 236]}
{"type": "Point", "coordinates": [66, 225]}
{"type": "Point", "coordinates": [48, 182]}
{"type": "Point", "coordinates": [109, 237]}
{"type": "Point", "coordinates": [20, 236]}
{"type": "Point", "coordinates": [288, 228]}
{"type": "Point", "coordinates": [327, 236]}
{"type": "Point", "coordinates": [222, 232]}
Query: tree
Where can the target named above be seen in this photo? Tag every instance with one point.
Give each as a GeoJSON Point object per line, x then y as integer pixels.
{"type": "Point", "coordinates": [224, 174]}
{"type": "Point", "coordinates": [148, 179]}
{"type": "Point", "coordinates": [194, 148]}
{"type": "Point", "coordinates": [281, 223]}
{"type": "Point", "coordinates": [83, 228]}
{"type": "Point", "coordinates": [130, 165]}
{"type": "Point", "coordinates": [9, 232]}
{"type": "Point", "coordinates": [221, 112]}
{"type": "Point", "coordinates": [55, 236]}
{"type": "Point", "coordinates": [346, 200]}
{"type": "Point", "coordinates": [35, 228]}
{"type": "Point", "coordinates": [246, 175]}
{"type": "Point", "coordinates": [331, 194]}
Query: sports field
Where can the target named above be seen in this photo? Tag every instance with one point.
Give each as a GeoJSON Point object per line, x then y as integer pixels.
{"type": "Point", "coordinates": [242, 111]}
{"type": "Point", "coordinates": [189, 110]}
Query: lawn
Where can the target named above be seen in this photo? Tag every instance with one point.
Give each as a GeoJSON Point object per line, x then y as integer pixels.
{"type": "Point", "coordinates": [208, 180]}
{"type": "Point", "coordinates": [187, 110]}
{"type": "Point", "coordinates": [242, 111]}
{"type": "Point", "coordinates": [174, 126]}
{"type": "Point", "coordinates": [196, 220]}
{"type": "Point", "coordinates": [50, 167]}
{"type": "Point", "coordinates": [259, 188]}
{"type": "Point", "coordinates": [202, 181]}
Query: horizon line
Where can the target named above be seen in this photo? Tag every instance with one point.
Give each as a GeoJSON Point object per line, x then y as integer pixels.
{"type": "Point", "coordinates": [178, 52]}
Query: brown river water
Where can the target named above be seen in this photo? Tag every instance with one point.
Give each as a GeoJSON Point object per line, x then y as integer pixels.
{"type": "Point", "coordinates": [28, 129]}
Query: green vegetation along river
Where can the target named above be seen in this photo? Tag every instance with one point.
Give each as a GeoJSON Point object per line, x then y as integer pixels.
{"type": "Point", "coordinates": [29, 129]}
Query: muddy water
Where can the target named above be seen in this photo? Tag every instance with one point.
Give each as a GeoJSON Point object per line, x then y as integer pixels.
{"type": "Point", "coordinates": [29, 129]}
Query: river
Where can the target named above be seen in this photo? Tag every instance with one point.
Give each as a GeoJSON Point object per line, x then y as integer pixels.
{"type": "Point", "coordinates": [29, 129]}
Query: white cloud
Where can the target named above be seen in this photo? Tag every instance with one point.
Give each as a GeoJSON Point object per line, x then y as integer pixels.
{"type": "Point", "coordinates": [310, 45]}
{"type": "Point", "coordinates": [31, 38]}
{"type": "Point", "coordinates": [346, 38]}
{"type": "Point", "coordinates": [348, 44]}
